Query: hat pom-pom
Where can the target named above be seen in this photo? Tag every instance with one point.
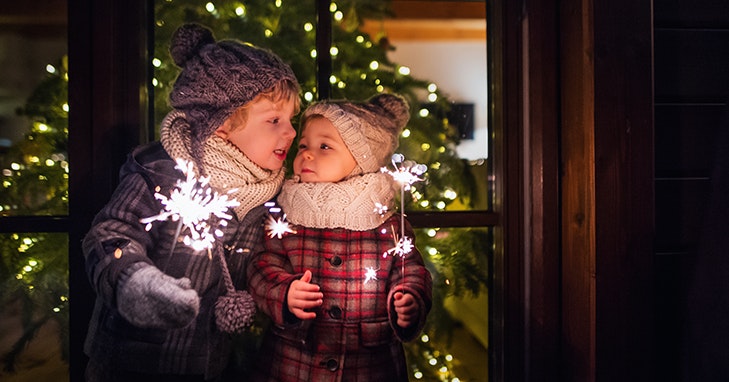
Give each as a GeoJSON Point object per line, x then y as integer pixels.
{"type": "Point", "coordinates": [395, 105]}
{"type": "Point", "coordinates": [187, 41]}
{"type": "Point", "coordinates": [235, 312]}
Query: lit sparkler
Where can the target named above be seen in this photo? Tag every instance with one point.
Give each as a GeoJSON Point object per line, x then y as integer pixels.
{"type": "Point", "coordinates": [406, 173]}
{"type": "Point", "coordinates": [402, 247]}
{"type": "Point", "coordinates": [370, 274]}
{"type": "Point", "coordinates": [193, 204]}
{"type": "Point", "coordinates": [278, 227]}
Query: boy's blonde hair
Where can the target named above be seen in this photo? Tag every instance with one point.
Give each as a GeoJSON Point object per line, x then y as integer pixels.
{"type": "Point", "coordinates": [285, 90]}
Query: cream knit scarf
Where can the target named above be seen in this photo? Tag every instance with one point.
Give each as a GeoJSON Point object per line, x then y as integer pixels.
{"type": "Point", "coordinates": [226, 166]}
{"type": "Point", "coordinates": [351, 203]}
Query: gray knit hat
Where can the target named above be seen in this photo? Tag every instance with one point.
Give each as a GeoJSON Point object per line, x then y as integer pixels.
{"type": "Point", "coordinates": [218, 77]}
{"type": "Point", "coordinates": [370, 129]}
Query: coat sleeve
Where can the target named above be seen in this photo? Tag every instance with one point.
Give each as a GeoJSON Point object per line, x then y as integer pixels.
{"type": "Point", "coordinates": [269, 276]}
{"type": "Point", "coordinates": [117, 239]}
{"type": "Point", "coordinates": [416, 281]}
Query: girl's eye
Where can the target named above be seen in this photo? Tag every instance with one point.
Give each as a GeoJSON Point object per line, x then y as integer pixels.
{"type": "Point", "coordinates": [324, 146]}
{"type": "Point", "coordinates": [302, 146]}
{"type": "Point", "coordinates": [275, 120]}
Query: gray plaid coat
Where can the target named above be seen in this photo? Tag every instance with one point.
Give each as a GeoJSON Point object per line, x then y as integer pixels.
{"type": "Point", "coordinates": [117, 239]}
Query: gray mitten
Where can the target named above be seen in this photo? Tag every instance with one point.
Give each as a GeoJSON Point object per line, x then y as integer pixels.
{"type": "Point", "coordinates": [152, 299]}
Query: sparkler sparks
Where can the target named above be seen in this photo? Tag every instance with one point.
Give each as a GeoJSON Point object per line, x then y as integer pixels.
{"type": "Point", "coordinates": [402, 247]}
{"type": "Point", "coordinates": [370, 274]}
{"type": "Point", "coordinates": [406, 172]}
{"type": "Point", "coordinates": [195, 206]}
{"type": "Point", "coordinates": [278, 227]}
{"type": "Point", "coordinates": [380, 209]}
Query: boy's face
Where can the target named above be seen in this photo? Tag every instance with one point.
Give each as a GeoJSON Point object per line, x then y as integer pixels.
{"type": "Point", "coordinates": [267, 133]}
{"type": "Point", "coordinates": [323, 156]}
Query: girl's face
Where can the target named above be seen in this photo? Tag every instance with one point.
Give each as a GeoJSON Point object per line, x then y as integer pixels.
{"type": "Point", "coordinates": [323, 156]}
{"type": "Point", "coordinates": [265, 135]}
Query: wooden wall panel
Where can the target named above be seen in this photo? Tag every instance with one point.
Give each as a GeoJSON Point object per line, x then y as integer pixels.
{"type": "Point", "coordinates": [680, 206]}
{"type": "Point", "coordinates": [693, 13]}
{"type": "Point", "coordinates": [685, 139]}
{"type": "Point", "coordinates": [690, 65]}
{"type": "Point", "coordinates": [691, 53]}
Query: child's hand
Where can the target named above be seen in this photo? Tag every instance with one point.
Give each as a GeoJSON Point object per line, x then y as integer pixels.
{"type": "Point", "coordinates": [304, 295]}
{"type": "Point", "coordinates": [406, 309]}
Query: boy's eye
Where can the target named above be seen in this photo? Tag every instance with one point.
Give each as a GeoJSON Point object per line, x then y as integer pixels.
{"type": "Point", "coordinates": [275, 120]}
{"type": "Point", "coordinates": [302, 146]}
{"type": "Point", "coordinates": [324, 146]}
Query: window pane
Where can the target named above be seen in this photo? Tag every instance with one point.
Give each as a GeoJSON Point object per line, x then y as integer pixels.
{"type": "Point", "coordinates": [34, 297]}
{"type": "Point", "coordinates": [33, 110]}
{"type": "Point", "coordinates": [454, 344]}
{"type": "Point", "coordinates": [434, 52]}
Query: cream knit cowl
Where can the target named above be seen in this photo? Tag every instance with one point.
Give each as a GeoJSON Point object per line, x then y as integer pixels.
{"type": "Point", "coordinates": [227, 167]}
{"type": "Point", "coordinates": [351, 203]}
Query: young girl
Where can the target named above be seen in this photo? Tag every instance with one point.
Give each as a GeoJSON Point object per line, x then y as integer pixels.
{"type": "Point", "coordinates": [154, 315]}
{"type": "Point", "coordinates": [340, 302]}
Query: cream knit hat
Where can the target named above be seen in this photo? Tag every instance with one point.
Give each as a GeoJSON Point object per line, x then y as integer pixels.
{"type": "Point", "coordinates": [370, 129]}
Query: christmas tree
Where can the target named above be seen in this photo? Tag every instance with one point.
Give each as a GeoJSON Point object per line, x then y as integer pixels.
{"type": "Point", "coordinates": [34, 267]}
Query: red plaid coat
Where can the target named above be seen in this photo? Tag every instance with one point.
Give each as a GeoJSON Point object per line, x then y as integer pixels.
{"type": "Point", "coordinates": [354, 336]}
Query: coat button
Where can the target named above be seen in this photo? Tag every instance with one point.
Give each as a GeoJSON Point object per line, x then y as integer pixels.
{"type": "Point", "coordinates": [335, 312]}
{"type": "Point", "coordinates": [332, 364]}
{"type": "Point", "coordinates": [336, 261]}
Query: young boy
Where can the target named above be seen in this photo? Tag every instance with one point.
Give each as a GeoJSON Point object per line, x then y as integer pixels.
{"type": "Point", "coordinates": [154, 314]}
{"type": "Point", "coordinates": [341, 303]}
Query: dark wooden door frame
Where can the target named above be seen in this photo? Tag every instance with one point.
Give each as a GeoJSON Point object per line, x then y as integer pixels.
{"type": "Point", "coordinates": [572, 95]}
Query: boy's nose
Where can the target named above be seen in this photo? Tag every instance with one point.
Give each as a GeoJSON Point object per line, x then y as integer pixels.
{"type": "Point", "coordinates": [289, 132]}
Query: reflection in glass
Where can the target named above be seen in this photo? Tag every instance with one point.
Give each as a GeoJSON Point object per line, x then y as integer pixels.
{"type": "Point", "coordinates": [34, 297]}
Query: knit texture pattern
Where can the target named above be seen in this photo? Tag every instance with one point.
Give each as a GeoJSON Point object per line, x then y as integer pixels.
{"type": "Point", "coordinates": [148, 298]}
{"type": "Point", "coordinates": [229, 169]}
{"type": "Point", "coordinates": [351, 203]}
{"type": "Point", "coordinates": [216, 78]}
{"type": "Point", "coordinates": [235, 311]}
{"type": "Point", "coordinates": [370, 129]}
